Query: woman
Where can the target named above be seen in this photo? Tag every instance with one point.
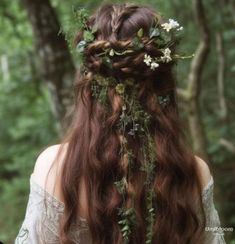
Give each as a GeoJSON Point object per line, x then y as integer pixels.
{"type": "Point", "coordinates": [123, 173]}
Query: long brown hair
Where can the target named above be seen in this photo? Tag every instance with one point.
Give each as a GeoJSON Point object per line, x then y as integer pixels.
{"type": "Point", "coordinates": [93, 142]}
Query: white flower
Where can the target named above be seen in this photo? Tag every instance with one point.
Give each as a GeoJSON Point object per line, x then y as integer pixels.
{"type": "Point", "coordinates": [154, 65]}
{"type": "Point", "coordinates": [166, 27]}
{"type": "Point", "coordinates": [167, 55]}
{"type": "Point", "coordinates": [180, 29]}
{"type": "Point", "coordinates": [172, 24]}
{"type": "Point", "coordinates": [147, 59]}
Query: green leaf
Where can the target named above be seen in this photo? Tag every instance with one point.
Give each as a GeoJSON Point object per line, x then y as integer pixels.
{"type": "Point", "coordinates": [103, 96]}
{"type": "Point", "coordinates": [81, 16]}
{"type": "Point", "coordinates": [120, 185]}
{"type": "Point", "coordinates": [140, 33]}
{"type": "Point", "coordinates": [137, 44]}
{"type": "Point", "coordinates": [154, 32]}
{"type": "Point", "coordinates": [107, 61]}
{"type": "Point", "coordinates": [94, 29]}
{"type": "Point", "coordinates": [160, 43]}
{"type": "Point", "coordinates": [125, 228]}
{"type": "Point", "coordinates": [88, 36]}
{"type": "Point", "coordinates": [125, 234]}
{"type": "Point", "coordinates": [151, 210]}
{"type": "Point", "coordinates": [122, 222]}
{"type": "Point", "coordinates": [166, 37]}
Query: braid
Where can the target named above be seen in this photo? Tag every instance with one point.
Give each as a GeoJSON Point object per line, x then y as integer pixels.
{"type": "Point", "coordinates": [98, 46]}
{"type": "Point", "coordinates": [116, 14]}
{"type": "Point", "coordinates": [127, 65]}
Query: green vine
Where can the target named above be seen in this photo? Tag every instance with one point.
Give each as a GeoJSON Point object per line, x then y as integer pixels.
{"type": "Point", "coordinates": [127, 222]}
{"type": "Point", "coordinates": [149, 152]}
{"type": "Point", "coordinates": [133, 121]}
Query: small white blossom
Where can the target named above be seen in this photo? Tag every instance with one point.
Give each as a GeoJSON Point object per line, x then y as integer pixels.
{"type": "Point", "coordinates": [147, 59]}
{"type": "Point", "coordinates": [172, 24]}
{"type": "Point", "coordinates": [180, 29]}
{"type": "Point", "coordinates": [166, 27]}
{"type": "Point", "coordinates": [154, 65]}
{"type": "Point", "coordinates": [167, 55]}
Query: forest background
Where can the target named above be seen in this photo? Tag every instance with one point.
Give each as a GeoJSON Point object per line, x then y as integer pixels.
{"type": "Point", "coordinates": [37, 68]}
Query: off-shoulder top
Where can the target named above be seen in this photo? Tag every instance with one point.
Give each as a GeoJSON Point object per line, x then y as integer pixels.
{"type": "Point", "coordinates": [40, 225]}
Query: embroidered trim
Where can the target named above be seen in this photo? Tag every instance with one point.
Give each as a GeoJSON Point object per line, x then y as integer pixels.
{"type": "Point", "coordinates": [22, 236]}
{"type": "Point", "coordinates": [208, 188]}
{"type": "Point", "coordinates": [53, 201]}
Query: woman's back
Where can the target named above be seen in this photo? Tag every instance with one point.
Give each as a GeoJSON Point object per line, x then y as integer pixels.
{"type": "Point", "coordinates": [53, 185]}
{"type": "Point", "coordinates": [54, 206]}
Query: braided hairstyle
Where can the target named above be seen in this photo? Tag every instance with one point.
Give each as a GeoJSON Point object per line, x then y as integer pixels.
{"type": "Point", "coordinates": [94, 142]}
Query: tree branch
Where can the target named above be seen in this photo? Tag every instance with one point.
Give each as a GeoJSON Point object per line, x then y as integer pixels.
{"type": "Point", "coordinates": [228, 145]}
{"type": "Point", "coordinates": [202, 51]}
{"type": "Point", "coordinates": [183, 94]}
{"type": "Point", "coordinates": [221, 75]}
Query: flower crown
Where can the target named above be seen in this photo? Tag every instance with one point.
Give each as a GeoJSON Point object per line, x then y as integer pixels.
{"type": "Point", "coordinates": [164, 36]}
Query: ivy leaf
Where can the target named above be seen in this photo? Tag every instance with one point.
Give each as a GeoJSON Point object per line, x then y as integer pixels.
{"type": "Point", "coordinates": [154, 32]}
{"type": "Point", "coordinates": [125, 228]}
{"type": "Point", "coordinates": [166, 37]}
{"type": "Point", "coordinates": [120, 185]}
{"type": "Point", "coordinates": [151, 210]}
{"type": "Point", "coordinates": [103, 96]}
{"type": "Point", "coordinates": [94, 29]}
{"type": "Point", "coordinates": [160, 43]}
{"type": "Point", "coordinates": [140, 33]}
{"type": "Point", "coordinates": [164, 100]}
{"type": "Point", "coordinates": [88, 36]}
{"type": "Point", "coordinates": [81, 16]}
{"type": "Point", "coordinates": [107, 61]}
{"type": "Point", "coordinates": [137, 44]}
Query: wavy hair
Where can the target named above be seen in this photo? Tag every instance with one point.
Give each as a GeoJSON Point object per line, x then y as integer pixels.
{"type": "Point", "coordinates": [93, 141]}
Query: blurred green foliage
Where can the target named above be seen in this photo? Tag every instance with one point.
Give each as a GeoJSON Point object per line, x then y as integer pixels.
{"type": "Point", "coordinates": [27, 124]}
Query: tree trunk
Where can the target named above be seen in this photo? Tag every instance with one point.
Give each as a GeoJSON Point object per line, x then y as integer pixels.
{"type": "Point", "coordinates": [221, 76]}
{"type": "Point", "coordinates": [232, 9]}
{"type": "Point", "coordinates": [51, 47]}
{"type": "Point", "coordinates": [191, 94]}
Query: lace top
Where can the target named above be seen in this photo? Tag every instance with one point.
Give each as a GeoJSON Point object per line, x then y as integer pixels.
{"type": "Point", "coordinates": [43, 211]}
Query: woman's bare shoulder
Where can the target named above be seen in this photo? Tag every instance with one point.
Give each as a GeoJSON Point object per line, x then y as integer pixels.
{"type": "Point", "coordinates": [46, 165]}
{"type": "Point", "coordinates": [204, 171]}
